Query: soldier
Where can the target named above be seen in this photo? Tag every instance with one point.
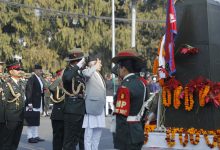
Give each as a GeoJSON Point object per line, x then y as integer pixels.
{"type": "Point", "coordinates": [46, 81]}
{"type": "Point", "coordinates": [14, 108]}
{"type": "Point", "coordinates": [74, 106]}
{"type": "Point", "coordinates": [2, 116]}
{"type": "Point", "coordinates": [57, 112]}
{"type": "Point", "coordinates": [129, 100]}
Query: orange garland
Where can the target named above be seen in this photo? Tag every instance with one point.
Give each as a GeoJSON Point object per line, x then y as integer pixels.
{"type": "Point", "coordinates": [147, 129]}
{"type": "Point", "coordinates": [189, 102]}
{"type": "Point", "coordinates": [218, 137]}
{"type": "Point", "coordinates": [155, 66]}
{"type": "Point", "coordinates": [176, 97]}
{"type": "Point", "coordinates": [161, 82]}
{"type": "Point", "coordinates": [215, 139]}
{"type": "Point", "coordinates": [202, 94]}
{"type": "Point", "coordinates": [166, 95]}
{"type": "Point", "coordinates": [193, 140]}
{"type": "Point", "coordinates": [186, 137]}
{"type": "Point", "coordinates": [170, 138]}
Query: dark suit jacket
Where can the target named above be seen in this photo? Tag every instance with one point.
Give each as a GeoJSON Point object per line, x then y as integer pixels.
{"type": "Point", "coordinates": [33, 92]}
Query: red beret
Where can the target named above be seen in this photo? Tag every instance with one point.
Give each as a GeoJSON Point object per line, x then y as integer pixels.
{"type": "Point", "coordinates": [58, 72]}
{"type": "Point", "coordinates": [126, 55]}
{"type": "Point", "coordinates": [14, 67]}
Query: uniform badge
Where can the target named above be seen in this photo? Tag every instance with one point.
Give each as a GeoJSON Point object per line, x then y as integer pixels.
{"type": "Point", "coordinates": [122, 95]}
{"type": "Point", "coordinates": [123, 101]}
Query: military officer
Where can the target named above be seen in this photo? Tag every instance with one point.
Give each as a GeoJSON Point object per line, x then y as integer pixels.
{"type": "Point", "coordinates": [2, 116]}
{"type": "Point", "coordinates": [129, 100]}
{"type": "Point", "coordinates": [14, 108]}
{"type": "Point", "coordinates": [46, 81]}
{"type": "Point", "coordinates": [57, 112]}
{"type": "Point", "coordinates": [74, 106]}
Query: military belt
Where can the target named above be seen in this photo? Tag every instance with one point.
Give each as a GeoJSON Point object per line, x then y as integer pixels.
{"type": "Point", "coordinates": [75, 97]}
{"type": "Point", "coordinates": [134, 118]}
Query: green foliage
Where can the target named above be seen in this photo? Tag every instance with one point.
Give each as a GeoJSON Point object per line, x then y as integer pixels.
{"type": "Point", "coordinates": [46, 37]}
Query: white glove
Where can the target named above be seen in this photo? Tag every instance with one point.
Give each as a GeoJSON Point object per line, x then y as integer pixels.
{"type": "Point", "coordinates": [81, 63]}
{"type": "Point", "coordinates": [151, 117]}
{"type": "Point", "coordinates": [30, 106]}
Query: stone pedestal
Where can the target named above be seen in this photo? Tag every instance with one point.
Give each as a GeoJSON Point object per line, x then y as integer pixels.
{"type": "Point", "coordinates": [198, 24]}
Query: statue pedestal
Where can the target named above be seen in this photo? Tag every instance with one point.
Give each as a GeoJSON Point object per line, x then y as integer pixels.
{"type": "Point", "coordinates": [198, 24]}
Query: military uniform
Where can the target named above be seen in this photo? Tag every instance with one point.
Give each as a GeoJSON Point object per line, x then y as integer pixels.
{"type": "Point", "coordinates": [2, 114]}
{"type": "Point", "coordinates": [74, 106]}
{"type": "Point", "coordinates": [128, 103]}
{"type": "Point", "coordinates": [14, 112]}
{"type": "Point", "coordinates": [47, 94]}
{"type": "Point", "coordinates": [57, 114]}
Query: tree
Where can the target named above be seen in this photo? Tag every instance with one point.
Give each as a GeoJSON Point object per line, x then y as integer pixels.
{"type": "Point", "coordinates": [46, 36]}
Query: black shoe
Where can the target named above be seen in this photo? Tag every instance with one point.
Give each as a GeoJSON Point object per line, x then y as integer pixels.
{"type": "Point", "coordinates": [39, 139]}
{"type": "Point", "coordinates": [32, 140]}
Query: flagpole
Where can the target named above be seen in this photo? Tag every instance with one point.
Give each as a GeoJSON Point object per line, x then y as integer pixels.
{"type": "Point", "coordinates": [113, 41]}
{"type": "Point", "coordinates": [133, 25]}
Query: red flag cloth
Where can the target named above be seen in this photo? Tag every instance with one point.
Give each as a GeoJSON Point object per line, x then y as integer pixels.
{"type": "Point", "coordinates": [171, 31]}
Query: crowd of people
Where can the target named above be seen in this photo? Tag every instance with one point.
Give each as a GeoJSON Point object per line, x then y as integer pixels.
{"type": "Point", "coordinates": [78, 94]}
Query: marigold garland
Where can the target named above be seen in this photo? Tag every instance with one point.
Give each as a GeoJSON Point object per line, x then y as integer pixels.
{"type": "Point", "coordinates": [186, 137]}
{"type": "Point", "coordinates": [176, 97]}
{"type": "Point", "coordinates": [170, 137]}
{"type": "Point", "coordinates": [189, 102]}
{"type": "Point", "coordinates": [193, 140]}
{"type": "Point", "coordinates": [147, 129]}
{"type": "Point", "coordinates": [155, 66]}
{"type": "Point", "coordinates": [202, 94]}
{"type": "Point", "coordinates": [218, 137]}
{"type": "Point", "coordinates": [193, 133]}
{"type": "Point", "coordinates": [214, 142]}
{"type": "Point", "coordinates": [161, 82]}
{"type": "Point", "coordinates": [166, 95]}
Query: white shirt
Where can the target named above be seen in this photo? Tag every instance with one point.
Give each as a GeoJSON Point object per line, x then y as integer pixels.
{"type": "Point", "coordinates": [41, 83]}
